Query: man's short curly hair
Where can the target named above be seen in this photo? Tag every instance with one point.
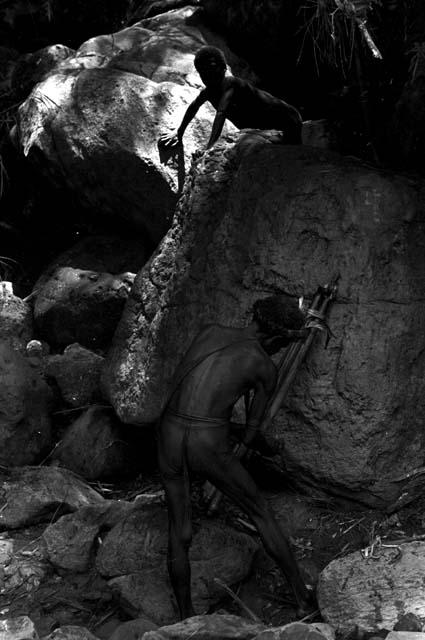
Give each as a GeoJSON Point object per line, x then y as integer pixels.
{"type": "Point", "coordinates": [209, 55]}
{"type": "Point", "coordinates": [275, 313]}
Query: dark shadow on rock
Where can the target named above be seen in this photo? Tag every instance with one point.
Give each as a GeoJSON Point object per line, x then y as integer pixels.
{"type": "Point", "coordinates": [173, 156]}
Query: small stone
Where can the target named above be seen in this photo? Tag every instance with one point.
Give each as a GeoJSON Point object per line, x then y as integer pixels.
{"type": "Point", "coordinates": [405, 635]}
{"type": "Point", "coordinates": [37, 349]}
{"type": "Point", "coordinates": [408, 622]}
{"type": "Point", "coordinates": [325, 629]}
{"type": "Point", "coordinates": [21, 628]}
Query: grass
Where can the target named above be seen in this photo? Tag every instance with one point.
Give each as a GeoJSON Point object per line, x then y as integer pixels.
{"type": "Point", "coordinates": [331, 26]}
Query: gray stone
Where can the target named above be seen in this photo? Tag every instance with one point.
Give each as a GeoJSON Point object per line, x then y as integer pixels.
{"type": "Point", "coordinates": [76, 305]}
{"type": "Point", "coordinates": [94, 446]}
{"type": "Point", "coordinates": [16, 324]}
{"type": "Point", "coordinates": [20, 628]}
{"type": "Point", "coordinates": [146, 594]}
{"type": "Point", "coordinates": [70, 540]}
{"type": "Point", "coordinates": [292, 631]}
{"type": "Point", "coordinates": [213, 627]}
{"type": "Point", "coordinates": [405, 635]}
{"type": "Point", "coordinates": [111, 254]}
{"type": "Point", "coordinates": [23, 568]}
{"type": "Point", "coordinates": [77, 374]}
{"type": "Point", "coordinates": [133, 629]}
{"type": "Point", "coordinates": [35, 494]}
{"type": "Point", "coordinates": [70, 632]}
{"type": "Point", "coordinates": [134, 554]}
{"type": "Point", "coordinates": [319, 133]}
{"type": "Point", "coordinates": [372, 593]}
{"type": "Point", "coordinates": [257, 218]}
{"type": "Point", "coordinates": [408, 622]}
{"type": "Point", "coordinates": [25, 431]}
{"type": "Point", "coordinates": [325, 629]}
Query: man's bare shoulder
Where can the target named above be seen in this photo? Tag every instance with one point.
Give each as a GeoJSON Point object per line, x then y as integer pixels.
{"type": "Point", "coordinates": [233, 82]}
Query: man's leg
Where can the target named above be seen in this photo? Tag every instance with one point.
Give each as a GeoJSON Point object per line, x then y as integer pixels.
{"type": "Point", "coordinates": [175, 479]}
{"type": "Point", "coordinates": [177, 492]}
{"type": "Point", "coordinates": [228, 475]}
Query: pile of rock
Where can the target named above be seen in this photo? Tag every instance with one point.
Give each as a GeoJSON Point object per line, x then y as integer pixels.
{"type": "Point", "coordinates": [94, 346]}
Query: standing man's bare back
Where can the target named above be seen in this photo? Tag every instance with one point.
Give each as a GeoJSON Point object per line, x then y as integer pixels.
{"type": "Point", "coordinates": [221, 365]}
{"type": "Point", "coordinates": [215, 385]}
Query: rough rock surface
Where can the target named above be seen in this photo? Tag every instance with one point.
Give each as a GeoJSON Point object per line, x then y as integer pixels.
{"type": "Point", "coordinates": [35, 494]}
{"type": "Point", "coordinates": [292, 631]}
{"type": "Point", "coordinates": [135, 553]}
{"type": "Point", "coordinates": [24, 566]}
{"type": "Point", "coordinates": [21, 628]}
{"type": "Point", "coordinates": [93, 125]}
{"type": "Point", "coordinates": [258, 218]}
{"type": "Point", "coordinates": [94, 446]}
{"type": "Point", "coordinates": [77, 374]}
{"type": "Point", "coordinates": [71, 632]}
{"type": "Point", "coordinates": [213, 627]}
{"type": "Point", "coordinates": [133, 629]}
{"type": "Point", "coordinates": [373, 593]}
{"type": "Point", "coordinates": [69, 541]}
{"type": "Point", "coordinates": [102, 253]}
{"type": "Point", "coordinates": [77, 305]}
{"type": "Point", "coordinates": [24, 410]}
{"type": "Point", "coordinates": [16, 326]}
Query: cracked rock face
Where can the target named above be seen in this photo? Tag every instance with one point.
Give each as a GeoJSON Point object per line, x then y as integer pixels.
{"type": "Point", "coordinates": [257, 218]}
{"type": "Point", "coordinates": [373, 593]}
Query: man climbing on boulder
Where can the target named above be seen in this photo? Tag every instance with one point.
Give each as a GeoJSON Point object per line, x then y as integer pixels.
{"type": "Point", "coordinates": [236, 100]}
{"type": "Point", "coordinates": [221, 365]}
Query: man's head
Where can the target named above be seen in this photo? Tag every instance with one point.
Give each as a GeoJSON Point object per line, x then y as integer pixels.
{"type": "Point", "coordinates": [210, 63]}
{"type": "Point", "coordinates": [275, 314]}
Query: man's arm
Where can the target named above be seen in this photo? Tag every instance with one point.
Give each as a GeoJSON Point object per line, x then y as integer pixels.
{"type": "Point", "coordinates": [264, 388]}
{"type": "Point", "coordinates": [173, 139]}
{"type": "Point", "coordinates": [220, 116]}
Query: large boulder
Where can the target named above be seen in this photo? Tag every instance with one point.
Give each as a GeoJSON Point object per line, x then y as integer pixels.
{"type": "Point", "coordinates": [133, 629]}
{"type": "Point", "coordinates": [70, 541]}
{"type": "Point", "coordinates": [76, 305]}
{"type": "Point", "coordinates": [29, 495]}
{"type": "Point", "coordinates": [25, 430]}
{"type": "Point", "coordinates": [81, 293]}
{"type": "Point", "coordinates": [95, 446]}
{"type": "Point", "coordinates": [94, 124]}
{"type": "Point", "coordinates": [258, 218]}
{"type": "Point", "coordinates": [76, 372]}
{"type": "Point", "coordinates": [373, 592]}
{"type": "Point", "coordinates": [134, 553]}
